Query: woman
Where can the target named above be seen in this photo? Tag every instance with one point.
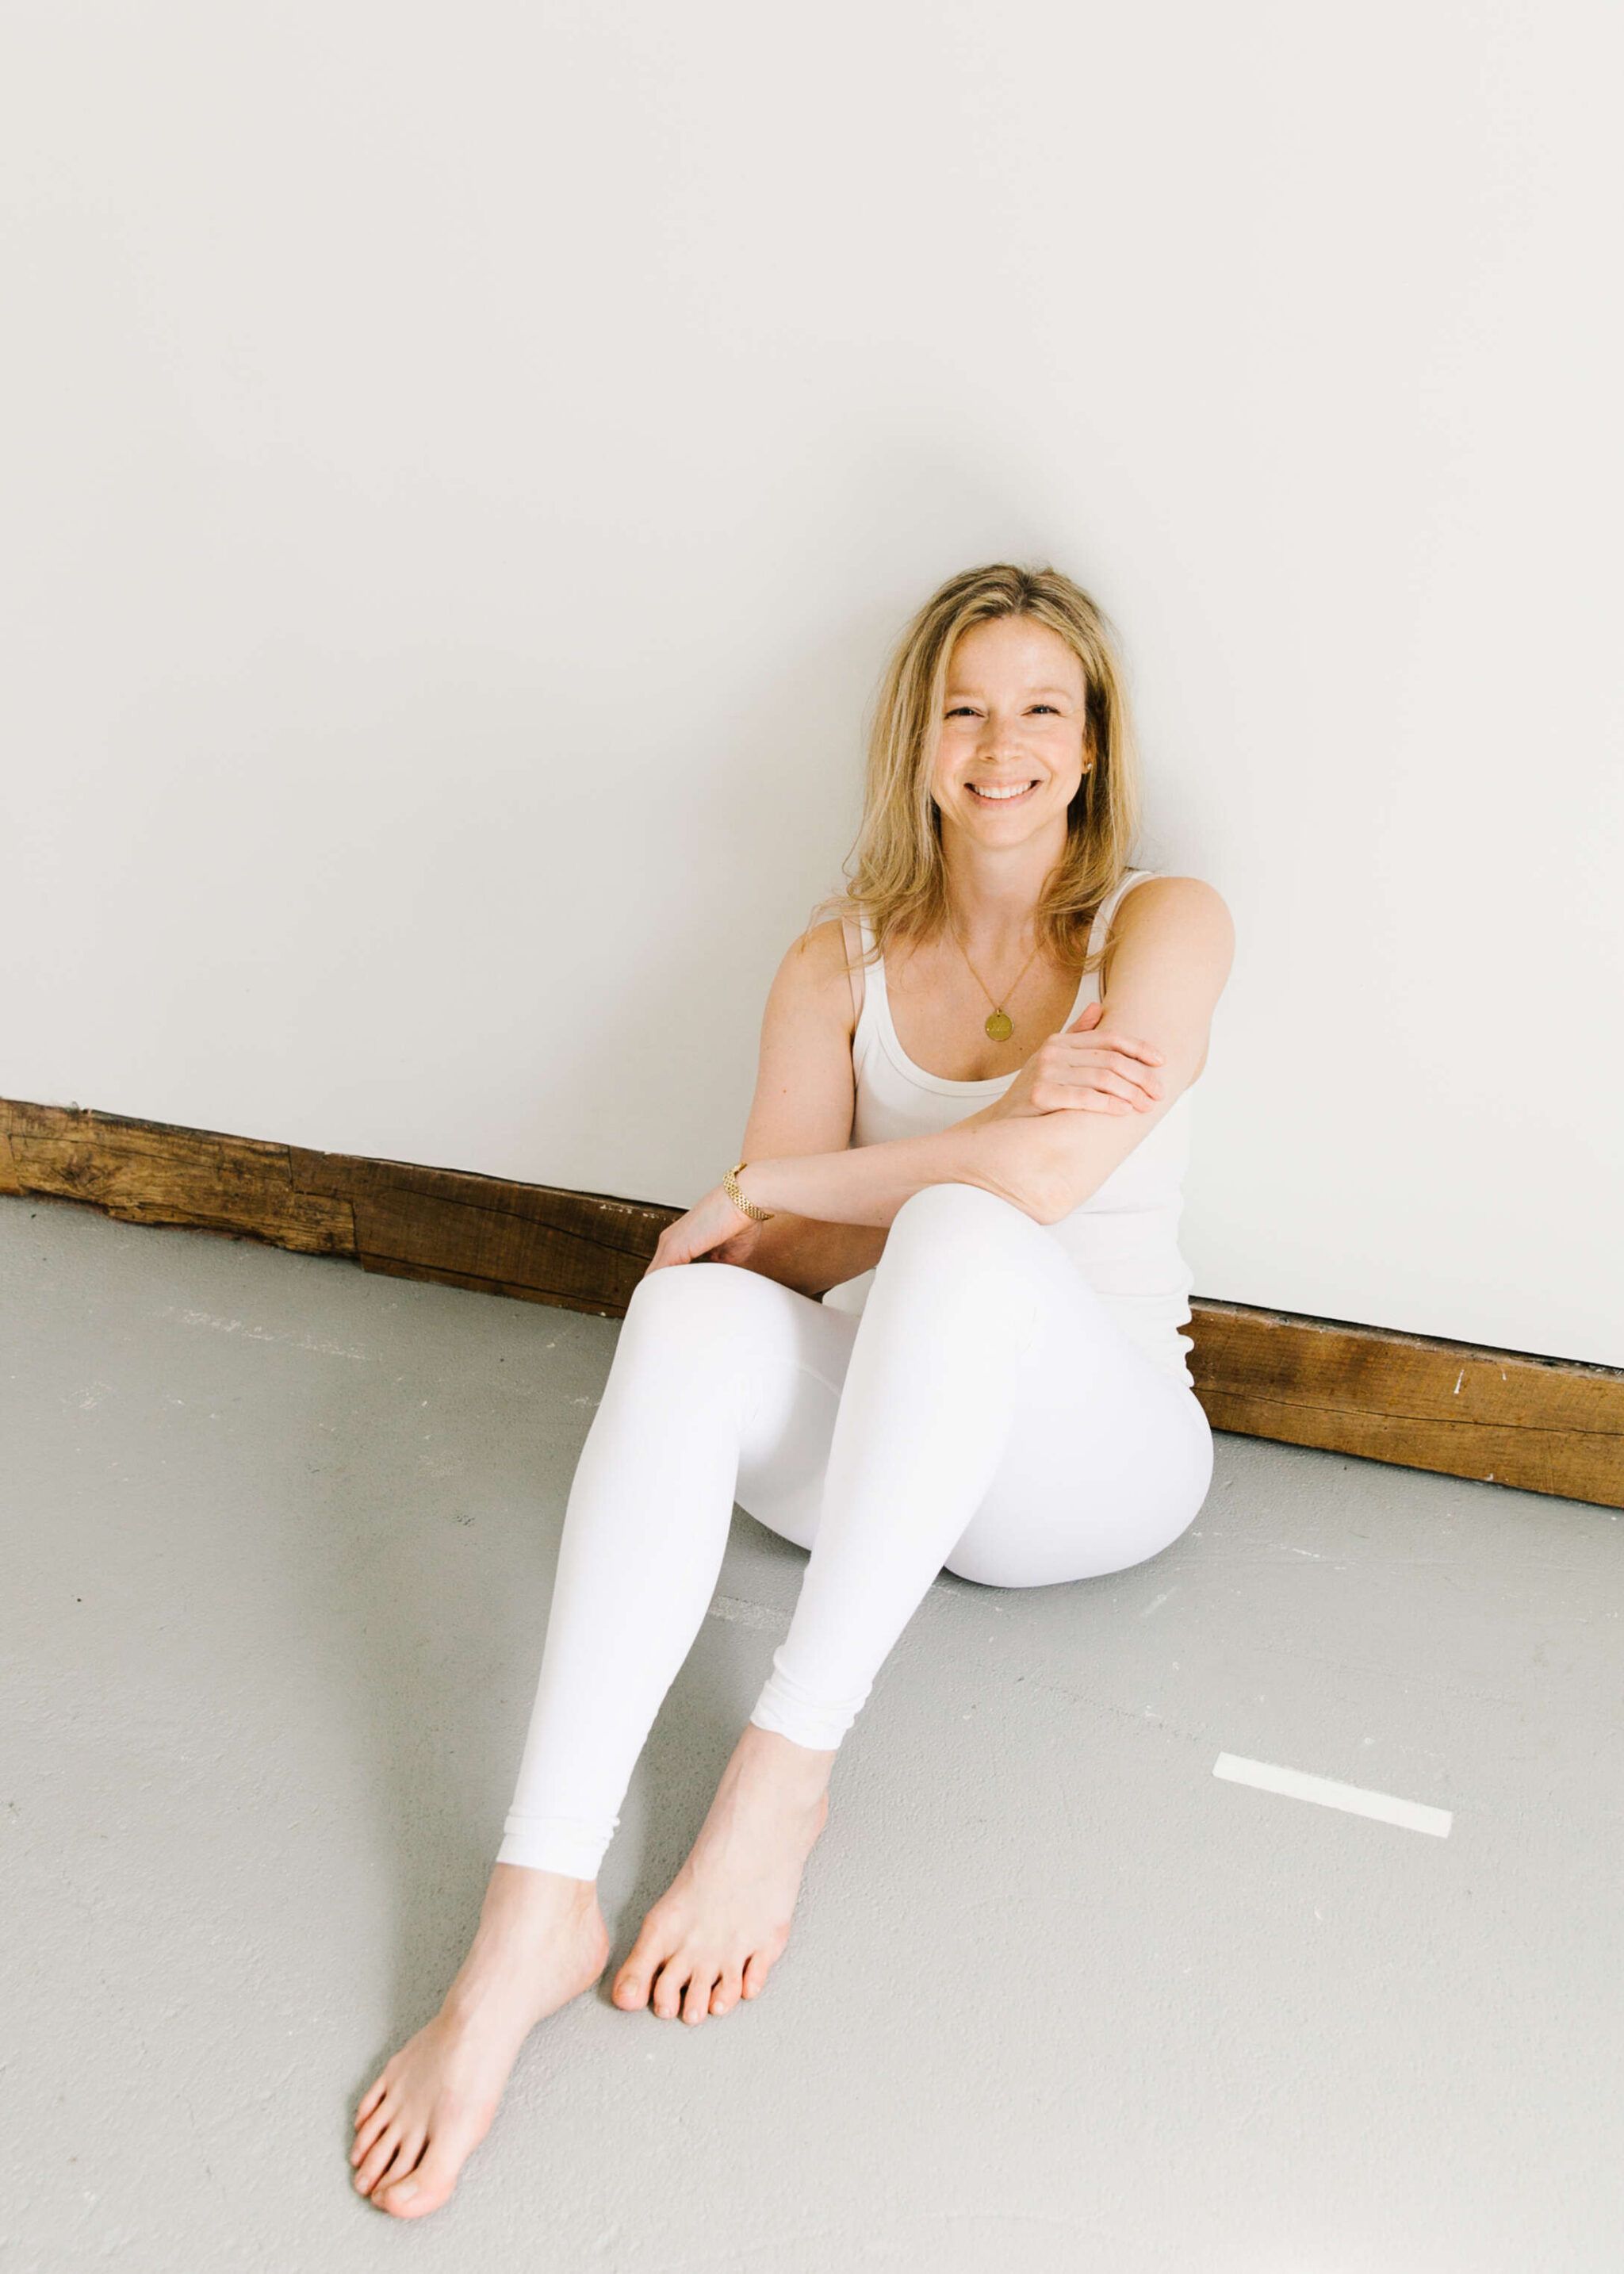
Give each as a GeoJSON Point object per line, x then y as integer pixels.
{"type": "Point", "coordinates": [994, 1381]}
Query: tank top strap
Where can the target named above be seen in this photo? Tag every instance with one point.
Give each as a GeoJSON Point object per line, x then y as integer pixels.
{"type": "Point", "coordinates": [869, 998]}
{"type": "Point", "coordinates": [1105, 914]}
{"type": "Point", "coordinates": [861, 979]}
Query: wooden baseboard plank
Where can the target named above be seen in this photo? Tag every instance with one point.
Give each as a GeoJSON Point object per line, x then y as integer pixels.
{"type": "Point", "coordinates": [1542, 1425]}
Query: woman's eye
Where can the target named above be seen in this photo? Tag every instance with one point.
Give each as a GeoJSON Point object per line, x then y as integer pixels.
{"type": "Point", "coordinates": [963, 709]}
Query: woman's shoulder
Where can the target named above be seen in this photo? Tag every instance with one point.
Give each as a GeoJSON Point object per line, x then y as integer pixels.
{"type": "Point", "coordinates": [820, 962]}
{"type": "Point", "coordinates": [822, 947]}
{"type": "Point", "coordinates": [1159, 896]}
{"type": "Point", "coordinates": [1186, 910]}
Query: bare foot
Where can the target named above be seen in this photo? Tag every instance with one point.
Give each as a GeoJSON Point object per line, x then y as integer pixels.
{"type": "Point", "coordinates": [541, 1940]}
{"type": "Point", "coordinates": [723, 1923]}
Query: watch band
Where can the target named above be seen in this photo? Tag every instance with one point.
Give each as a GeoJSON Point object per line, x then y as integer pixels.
{"type": "Point", "coordinates": [730, 1186]}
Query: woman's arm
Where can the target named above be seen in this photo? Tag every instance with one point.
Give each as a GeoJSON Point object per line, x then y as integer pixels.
{"type": "Point", "coordinates": [804, 1101]}
{"type": "Point", "coordinates": [869, 1183]}
{"type": "Point", "coordinates": [1171, 952]}
{"type": "Point", "coordinates": [1169, 956]}
{"type": "Point", "coordinates": [810, 1256]}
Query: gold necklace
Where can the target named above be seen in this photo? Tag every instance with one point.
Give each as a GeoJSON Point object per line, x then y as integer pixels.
{"type": "Point", "coordinates": [1000, 1026]}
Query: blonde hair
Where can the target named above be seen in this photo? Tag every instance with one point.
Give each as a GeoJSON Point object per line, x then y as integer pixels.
{"type": "Point", "coordinates": [899, 880]}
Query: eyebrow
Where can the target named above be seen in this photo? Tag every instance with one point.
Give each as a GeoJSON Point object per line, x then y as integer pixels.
{"type": "Point", "coordinates": [1067, 692]}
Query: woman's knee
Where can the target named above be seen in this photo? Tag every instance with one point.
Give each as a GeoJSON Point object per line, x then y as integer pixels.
{"type": "Point", "coordinates": [683, 1287]}
{"type": "Point", "coordinates": [695, 1305]}
{"type": "Point", "coordinates": [953, 1199]}
{"type": "Point", "coordinates": [964, 1238]}
{"type": "Point", "coordinates": [954, 1220]}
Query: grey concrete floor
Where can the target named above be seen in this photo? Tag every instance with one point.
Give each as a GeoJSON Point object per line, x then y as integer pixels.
{"type": "Point", "coordinates": [279, 1539]}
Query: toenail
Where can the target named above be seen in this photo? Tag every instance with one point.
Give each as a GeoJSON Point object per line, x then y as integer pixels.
{"type": "Point", "coordinates": [402, 2189]}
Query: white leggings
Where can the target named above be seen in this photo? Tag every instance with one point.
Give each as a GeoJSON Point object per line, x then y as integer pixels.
{"type": "Point", "coordinates": [986, 1411]}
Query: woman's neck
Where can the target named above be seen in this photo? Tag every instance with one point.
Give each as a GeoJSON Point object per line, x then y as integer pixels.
{"type": "Point", "coordinates": [992, 895]}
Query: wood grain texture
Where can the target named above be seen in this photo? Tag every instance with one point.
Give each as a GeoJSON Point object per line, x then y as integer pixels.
{"type": "Point", "coordinates": [146, 1172]}
{"type": "Point", "coordinates": [1507, 1416]}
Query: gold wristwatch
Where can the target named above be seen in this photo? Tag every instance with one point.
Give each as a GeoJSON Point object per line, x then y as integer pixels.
{"type": "Point", "coordinates": [730, 1186]}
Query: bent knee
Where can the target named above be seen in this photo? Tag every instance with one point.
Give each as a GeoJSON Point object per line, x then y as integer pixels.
{"type": "Point", "coordinates": [951, 1196]}
{"type": "Point", "coordinates": [702, 1289]}
{"type": "Point", "coordinates": [953, 1213]}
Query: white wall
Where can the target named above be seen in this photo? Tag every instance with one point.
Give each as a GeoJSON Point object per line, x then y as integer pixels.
{"type": "Point", "coordinates": [464, 469]}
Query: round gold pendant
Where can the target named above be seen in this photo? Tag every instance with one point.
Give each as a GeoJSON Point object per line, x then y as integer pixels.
{"type": "Point", "coordinates": [1000, 1026]}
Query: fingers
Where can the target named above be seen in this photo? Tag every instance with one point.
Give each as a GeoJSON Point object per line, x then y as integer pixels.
{"type": "Point", "coordinates": [1128, 1044]}
{"type": "Point", "coordinates": [1104, 1038]}
{"type": "Point", "coordinates": [1095, 1088]}
{"type": "Point", "coordinates": [1127, 1078]}
{"type": "Point", "coordinates": [1114, 1066]}
{"type": "Point", "coordinates": [1087, 1094]}
{"type": "Point", "coordinates": [1137, 1088]}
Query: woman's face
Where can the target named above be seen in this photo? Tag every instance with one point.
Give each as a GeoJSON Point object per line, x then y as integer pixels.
{"type": "Point", "coordinates": [1011, 716]}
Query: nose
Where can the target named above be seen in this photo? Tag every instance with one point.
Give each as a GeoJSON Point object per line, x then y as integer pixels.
{"type": "Point", "coordinates": [999, 733]}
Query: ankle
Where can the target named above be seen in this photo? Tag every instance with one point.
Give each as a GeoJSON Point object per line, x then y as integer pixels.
{"type": "Point", "coordinates": [793, 1772]}
{"type": "Point", "coordinates": [518, 1944]}
{"type": "Point", "coordinates": [524, 1909]}
{"type": "Point", "coordinates": [522, 1891]}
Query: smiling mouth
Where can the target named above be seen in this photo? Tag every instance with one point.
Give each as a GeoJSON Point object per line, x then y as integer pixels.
{"type": "Point", "coordinates": [1005, 799]}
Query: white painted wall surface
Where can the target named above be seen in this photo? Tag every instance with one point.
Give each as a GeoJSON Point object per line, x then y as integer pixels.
{"type": "Point", "coordinates": [463, 471]}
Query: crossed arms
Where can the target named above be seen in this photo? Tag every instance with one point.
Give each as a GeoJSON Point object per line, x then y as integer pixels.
{"type": "Point", "coordinates": [1170, 953]}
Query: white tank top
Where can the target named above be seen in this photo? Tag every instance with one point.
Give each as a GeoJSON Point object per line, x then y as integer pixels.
{"type": "Point", "coordinates": [1124, 1237]}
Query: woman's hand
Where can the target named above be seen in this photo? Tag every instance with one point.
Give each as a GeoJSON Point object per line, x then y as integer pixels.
{"type": "Point", "coordinates": [1085, 1067]}
{"type": "Point", "coordinates": [713, 1228]}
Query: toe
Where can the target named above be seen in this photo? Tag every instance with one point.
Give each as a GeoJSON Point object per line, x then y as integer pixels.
{"type": "Point", "coordinates": [632, 1982]}
{"type": "Point", "coordinates": [408, 2147]}
{"type": "Point", "coordinates": [631, 1985]}
{"type": "Point", "coordinates": [726, 1990]}
{"type": "Point", "coordinates": [367, 2135]}
{"type": "Point", "coordinates": [377, 2159]}
{"type": "Point", "coordinates": [430, 2183]}
{"type": "Point", "coordinates": [758, 1968]}
{"type": "Point", "coordinates": [669, 1988]}
{"type": "Point", "coordinates": [696, 2000]}
{"type": "Point", "coordinates": [375, 2094]}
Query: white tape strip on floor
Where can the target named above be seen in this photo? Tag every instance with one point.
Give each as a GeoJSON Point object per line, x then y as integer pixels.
{"type": "Point", "coordinates": [1297, 1785]}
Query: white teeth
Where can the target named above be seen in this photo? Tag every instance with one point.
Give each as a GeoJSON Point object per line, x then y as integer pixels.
{"type": "Point", "coordinates": [997, 795]}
